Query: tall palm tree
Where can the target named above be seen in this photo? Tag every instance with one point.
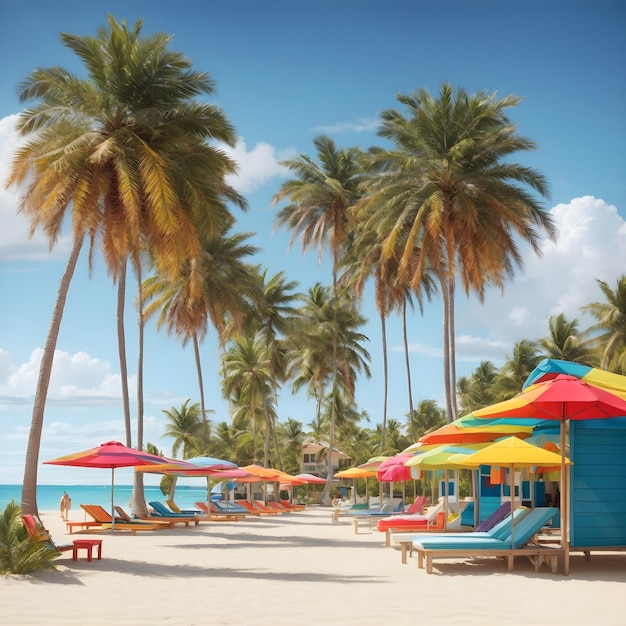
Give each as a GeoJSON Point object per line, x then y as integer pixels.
{"type": "Point", "coordinates": [247, 382]}
{"type": "Point", "coordinates": [327, 354]}
{"type": "Point", "coordinates": [214, 287]}
{"type": "Point", "coordinates": [321, 197]}
{"type": "Point", "coordinates": [609, 332]}
{"type": "Point", "coordinates": [449, 188]}
{"type": "Point", "coordinates": [127, 149]}
{"type": "Point", "coordinates": [271, 314]}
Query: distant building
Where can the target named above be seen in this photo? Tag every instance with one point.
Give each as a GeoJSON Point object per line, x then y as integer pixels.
{"type": "Point", "coordinates": [314, 459]}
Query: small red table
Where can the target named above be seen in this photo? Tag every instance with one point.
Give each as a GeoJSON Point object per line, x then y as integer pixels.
{"type": "Point", "coordinates": [88, 545]}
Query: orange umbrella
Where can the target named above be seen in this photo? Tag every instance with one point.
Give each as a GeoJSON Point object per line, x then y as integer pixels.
{"type": "Point", "coordinates": [453, 433]}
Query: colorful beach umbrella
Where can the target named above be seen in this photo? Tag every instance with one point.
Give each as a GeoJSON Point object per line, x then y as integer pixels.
{"type": "Point", "coordinates": [109, 455]}
{"type": "Point", "coordinates": [459, 432]}
{"type": "Point", "coordinates": [562, 398]}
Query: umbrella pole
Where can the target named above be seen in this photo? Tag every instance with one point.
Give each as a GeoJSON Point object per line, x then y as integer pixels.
{"type": "Point", "coordinates": [112, 507]}
{"type": "Point", "coordinates": [563, 502]}
{"type": "Point", "coordinates": [512, 487]}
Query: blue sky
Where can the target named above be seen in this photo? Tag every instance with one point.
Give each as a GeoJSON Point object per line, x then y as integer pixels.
{"type": "Point", "coordinates": [286, 72]}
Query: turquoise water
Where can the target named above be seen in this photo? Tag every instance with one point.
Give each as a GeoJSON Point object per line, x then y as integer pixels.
{"type": "Point", "coordinates": [48, 496]}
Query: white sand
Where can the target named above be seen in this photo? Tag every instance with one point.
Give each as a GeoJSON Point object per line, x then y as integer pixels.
{"type": "Point", "coordinates": [299, 569]}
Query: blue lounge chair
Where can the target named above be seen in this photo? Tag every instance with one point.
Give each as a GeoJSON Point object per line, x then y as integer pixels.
{"type": "Point", "coordinates": [513, 542]}
{"type": "Point", "coordinates": [161, 511]}
{"type": "Point", "coordinates": [229, 507]}
{"type": "Point", "coordinates": [498, 531]}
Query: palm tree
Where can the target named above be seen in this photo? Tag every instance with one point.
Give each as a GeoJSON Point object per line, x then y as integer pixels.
{"type": "Point", "coordinates": [480, 388]}
{"type": "Point", "coordinates": [516, 369]}
{"type": "Point", "coordinates": [321, 197]}
{"type": "Point", "coordinates": [610, 328]}
{"type": "Point", "coordinates": [327, 354]}
{"type": "Point", "coordinates": [449, 189]}
{"type": "Point", "coordinates": [272, 315]}
{"type": "Point", "coordinates": [184, 426]}
{"type": "Point", "coordinates": [213, 287]}
{"type": "Point", "coordinates": [127, 149]}
{"type": "Point", "coordinates": [247, 382]}
{"type": "Point", "coordinates": [427, 416]}
{"type": "Point", "coordinates": [565, 341]}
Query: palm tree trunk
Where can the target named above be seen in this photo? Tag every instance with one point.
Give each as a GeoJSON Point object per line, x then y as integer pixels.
{"type": "Point", "coordinates": [121, 349]}
{"type": "Point", "coordinates": [29, 484]}
{"type": "Point", "coordinates": [446, 350]}
{"type": "Point", "coordinates": [408, 369]}
{"type": "Point", "coordinates": [386, 382]}
{"type": "Point", "coordinates": [139, 506]}
{"type": "Point", "coordinates": [205, 422]}
{"type": "Point", "coordinates": [452, 340]}
{"type": "Point", "coordinates": [325, 496]}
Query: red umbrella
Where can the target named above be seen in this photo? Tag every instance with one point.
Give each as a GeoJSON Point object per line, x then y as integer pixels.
{"type": "Point", "coordinates": [561, 398]}
{"type": "Point", "coordinates": [111, 454]}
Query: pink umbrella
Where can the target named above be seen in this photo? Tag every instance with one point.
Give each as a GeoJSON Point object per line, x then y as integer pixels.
{"type": "Point", "coordinates": [394, 470]}
{"type": "Point", "coordinates": [109, 455]}
{"type": "Point", "coordinates": [311, 479]}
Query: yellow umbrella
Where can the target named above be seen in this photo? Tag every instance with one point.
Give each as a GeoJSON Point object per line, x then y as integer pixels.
{"type": "Point", "coordinates": [513, 452]}
{"type": "Point", "coordinates": [355, 472]}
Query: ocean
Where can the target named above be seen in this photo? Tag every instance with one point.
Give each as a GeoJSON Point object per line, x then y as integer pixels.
{"type": "Point", "coordinates": [49, 496]}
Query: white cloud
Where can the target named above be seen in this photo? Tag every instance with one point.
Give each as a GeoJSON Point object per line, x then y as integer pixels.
{"type": "Point", "coordinates": [256, 167]}
{"type": "Point", "coordinates": [15, 243]}
{"type": "Point", "coordinates": [591, 245]}
{"type": "Point", "coordinates": [77, 380]}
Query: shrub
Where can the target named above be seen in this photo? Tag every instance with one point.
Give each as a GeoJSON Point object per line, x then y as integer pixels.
{"type": "Point", "coordinates": [19, 553]}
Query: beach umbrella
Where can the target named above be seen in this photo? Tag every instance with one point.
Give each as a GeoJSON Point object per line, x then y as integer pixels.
{"type": "Point", "coordinates": [354, 473]}
{"type": "Point", "coordinates": [513, 453]}
{"type": "Point", "coordinates": [393, 470]}
{"type": "Point", "coordinates": [109, 455]}
{"type": "Point", "coordinates": [459, 432]}
{"type": "Point", "coordinates": [561, 398]}
{"type": "Point", "coordinates": [310, 479]}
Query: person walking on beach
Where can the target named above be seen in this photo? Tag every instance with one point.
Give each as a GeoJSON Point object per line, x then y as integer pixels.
{"type": "Point", "coordinates": [65, 505]}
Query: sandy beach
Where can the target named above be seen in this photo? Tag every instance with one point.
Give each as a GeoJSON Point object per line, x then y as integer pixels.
{"type": "Point", "coordinates": [299, 568]}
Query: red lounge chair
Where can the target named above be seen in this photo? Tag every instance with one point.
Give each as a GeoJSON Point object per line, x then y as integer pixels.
{"type": "Point", "coordinates": [36, 530]}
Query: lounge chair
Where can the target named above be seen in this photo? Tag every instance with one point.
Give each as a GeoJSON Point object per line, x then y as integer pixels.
{"type": "Point", "coordinates": [162, 512]}
{"type": "Point", "coordinates": [217, 516]}
{"type": "Point", "coordinates": [293, 507]}
{"type": "Point", "coordinates": [411, 520]}
{"type": "Point", "coordinates": [259, 504]}
{"type": "Point", "coordinates": [498, 531]}
{"type": "Point", "coordinates": [36, 530]}
{"type": "Point", "coordinates": [125, 517]}
{"type": "Point", "coordinates": [176, 509]}
{"type": "Point", "coordinates": [104, 520]}
{"type": "Point", "coordinates": [228, 507]}
{"type": "Point", "coordinates": [371, 516]}
{"type": "Point", "coordinates": [516, 542]}
{"type": "Point", "coordinates": [278, 506]}
{"type": "Point", "coordinates": [251, 509]}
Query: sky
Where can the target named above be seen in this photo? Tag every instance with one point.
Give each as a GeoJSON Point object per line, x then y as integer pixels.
{"type": "Point", "coordinates": [286, 72]}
